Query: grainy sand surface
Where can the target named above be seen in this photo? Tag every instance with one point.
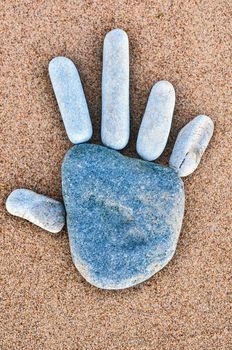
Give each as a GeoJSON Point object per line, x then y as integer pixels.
{"type": "Point", "coordinates": [45, 303]}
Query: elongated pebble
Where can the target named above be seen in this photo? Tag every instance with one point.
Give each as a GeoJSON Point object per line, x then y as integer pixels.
{"type": "Point", "coordinates": [115, 122]}
{"type": "Point", "coordinates": [156, 123]}
{"type": "Point", "coordinates": [190, 145]}
{"type": "Point", "coordinates": [42, 211]}
{"type": "Point", "coordinates": [71, 99]}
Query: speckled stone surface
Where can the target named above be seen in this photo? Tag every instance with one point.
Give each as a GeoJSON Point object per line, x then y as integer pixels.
{"type": "Point", "coordinates": [156, 123]}
{"type": "Point", "coordinates": [71, 99]}
{"type": "Point", "coordinates": [115, 124]}
{"type": "Point", "coordinates": [124, 215]}
{"type": "Point", "coordinates": [191, 144]}
{"type": "Point", "coordinates": [41, 210]}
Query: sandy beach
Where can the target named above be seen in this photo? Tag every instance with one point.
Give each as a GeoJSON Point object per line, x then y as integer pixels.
{"type": "Point", "coordinates": [45, 302]}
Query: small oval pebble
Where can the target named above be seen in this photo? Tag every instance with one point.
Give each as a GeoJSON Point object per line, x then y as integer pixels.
{"type": "Point", "coordinates": [71, 99]}
{"type": "Point", "coordinates": [190, 145]}
{"type": "Point", "coordinates": [42, 211]}
{"type": "Point", "coordinates": [156, 122]}
{"type": "Point", "coordinates": [115, 125]}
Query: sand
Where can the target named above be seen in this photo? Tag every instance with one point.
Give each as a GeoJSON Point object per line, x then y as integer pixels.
{"type": "Point", "coordinates": [45, 303]}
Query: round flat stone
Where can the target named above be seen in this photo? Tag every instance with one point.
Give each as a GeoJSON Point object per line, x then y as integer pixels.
{"type": "Point", "coordinates": [124, 215]}
{"type": "Point", "coordinates": [42, 211]}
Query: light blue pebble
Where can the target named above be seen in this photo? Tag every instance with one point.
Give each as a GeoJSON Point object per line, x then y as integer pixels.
{"type": "Point", "coordinates": [156, 122]}
{"type": "Point", "coordinates": [191, 144]}
{"type": "Point", "coordinates": [124, 215]}
{"type": "Point", "coordinates": [71, 99]}
{"type": "Point", "coordinates": [41, 210]}
{"type": "Point", "coordinates": [115, 124]}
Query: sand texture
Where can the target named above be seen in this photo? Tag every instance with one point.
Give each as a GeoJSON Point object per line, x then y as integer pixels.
{"type": "Point", "coordinates": [45, 303]}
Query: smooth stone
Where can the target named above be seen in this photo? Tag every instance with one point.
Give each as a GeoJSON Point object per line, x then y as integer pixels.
{"type": "Point", "coordinates": [190, 145]}
{"type": "Point", "coordinates": [115, 124]}
{"type": "Point", "coordinates": [71, 99]}
{"type": "Point", "coordinates": [124, 215]}
{"type": "Point", "coordinates": [42, 211]}
{"type": "Point", "coordinates": [156, 123]}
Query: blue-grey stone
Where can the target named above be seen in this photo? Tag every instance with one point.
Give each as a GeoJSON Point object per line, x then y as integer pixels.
{"type": "Point", "coordinates": [41, 210]}
{"type": "Point", "coordinates": [191, 144]}
{"type": "Point", "coordinates": [115, 125]}
{"type": "Point", "coordinates": [156, 123]}
{"type": "Point", "coordinates": [124, 215]}
{"type": "Point", "coordinates": [71, 100]}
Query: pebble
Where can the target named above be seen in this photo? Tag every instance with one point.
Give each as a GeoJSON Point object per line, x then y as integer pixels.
{"type": "Point", "coordinates": [124, 215]}
{"type": "Point", "coordinates": [190, 145]}
{"type": "Point", "coordinates": [156, 123]}
{"type": "Point", "coordinates": [42, 211]}
{"type": "Point", "coordinates": [115, 125]}
{"type": "Point", "coordinates": [71, 99]}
